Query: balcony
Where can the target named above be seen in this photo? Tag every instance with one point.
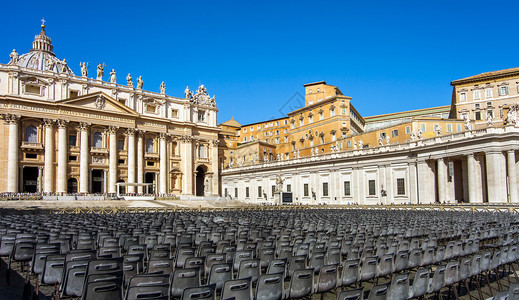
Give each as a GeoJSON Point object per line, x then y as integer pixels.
{"type": "Point", "coordinates": [32, 146]}
{"type": "Point", "coordinates": [94, 150]}
{"type": "Point", "coordinates": [151, 155]}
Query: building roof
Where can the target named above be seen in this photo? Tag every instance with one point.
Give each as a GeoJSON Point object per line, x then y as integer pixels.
{"type": "Point", "coordinates": [231, 123]}
{"type": "Point", "coordinates": [314, 83]}
{"type": "Point", "coordinates": [409, 113]}
{"type": "Point", "coordinates": [487, 75]}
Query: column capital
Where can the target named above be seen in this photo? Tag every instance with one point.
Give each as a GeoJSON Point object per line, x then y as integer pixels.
{"type": "Point", "coordinates": [186, 138]}
{"type": "Point", "coordinates": [11, 119]}
{"type": "Point", "coordinates": [62, 123]}
{"type": "Point", "coordinates": [510, 151]}
{"type": "Point", "coordinates": [48, 122]}
{"type": "Point", "coordinates": [215, 143]}
{"type": "Point", "coordinates": [140, 132]}
{"type": "Point", "coordinates": [112, 129]}
{"type": "Point", "coordinates": [83, 126]}
{"type": "Point", "coordinates": [131, 131]}
{"type": "Point", "coordinates": [163, 135]}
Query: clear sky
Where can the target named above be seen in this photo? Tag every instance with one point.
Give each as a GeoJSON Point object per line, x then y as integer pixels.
{"type": "Point", "coordinates": [255, 56]}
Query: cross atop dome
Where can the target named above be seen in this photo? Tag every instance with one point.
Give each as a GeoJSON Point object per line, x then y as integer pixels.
{"type": "Point", "coordinates": [43, 23]}
{"type": "Point", "coordinates": [42, 41]}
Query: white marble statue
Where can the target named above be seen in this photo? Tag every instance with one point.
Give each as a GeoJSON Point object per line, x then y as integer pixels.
{"type": "Point", "coordinates": [279, 184]}
{"type": "Point", "coordinates": [100, 71]}
{"type": "Point", "coordinates": [163, 88]}
{"type": "Point", "coordinates": [84, 69]}
{"type": "Point", "coordinates": [64, 66]}
{"type": "Point", "coordinates": [14, 57]}
{"type": "Point", "coordinates": [140, 83]}
{"type": "Point", "coordinates": [49, 64]}
{"type": "Point", "coordinates": [298, 154]}
{"type": "Point", "coordinates": [511, 117]}
{"type": "Point", "coordinates": [387, 140]}
{"type": "Point", "coordinates": [468, 125]}
{"type": "Point", "coordinates": [354, 145]}
{"type": "Point", "coordinates": [361, 144]}
{"type": "Point", "coordinates": [412, 136]}
{"type": "Point", "coordinates": [313, 152]}
{"type": "Point", "coordinates": [113, 76]}
{"type": "Point", "coordinates": [438, 130]}
{"type": "Point", "coordinates": [187, 93]}
{"type": "Point", "coordinates": [490, 120]}
{"type": "Point", "coordinates": [129, 80]}
{"type": "Point", "coordinates": [420, 134]}
{"type": "Point", "coordinates": [380, 143]}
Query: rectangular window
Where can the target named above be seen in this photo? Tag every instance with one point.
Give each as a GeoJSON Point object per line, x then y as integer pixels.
{"type": "Point", "coordinates": [310, 120]}
{"type": "Point", "coordinates": [150, 163]}
{"type": "Point", "coordinates": [260, 194]}
{"type": "Point", "coordinates": [273, 188]}
{"type": "Point", "coordinates": [400, 186]}
{"type": "Point", "coordinates": [348, 144]}
{"type": "Point", "coordinates": [383, 135]}
{"type": "Point", "coordinates": [458, 127]}
{"type": "Point", "coordinates": [120, 144]}
{"type": "Point", "coordinates": [72, 158]}
{"type": "Point", "coordinates": [503, 90]}
{"type": "Point", "coordinates": [449, 127]}
{"type": "Point", "coordinates": [277, 123]}
{"type": "Point", "coordinates": [422, 127]}
{"type": "Point", "coordinates": [305, 190]}
{"type": "Point", "coordinates": [150, 108]}
{"type": "Point", "coordinates": [235, 192]}
{"type": "Point", "coordinates": [244, 130]}
{"type": "Point", "coordinates": [201, 116]}
{"type": "Point", "coordinates": [325, 189]}
{"type": "Point", "coordinates": [174, 113]}
{"type": "Point", "coordinates": [490, 113]}
{"type": "Point", "coordinates": [246, 192]}
{"type": "Point", "coordinates": [408, 130]}
{"type": "Point", "coordinates": [332, 112]}
{"type": "Point", "coordinates": [121, 161]}
{"type": "Point", "coordinates": [31, 155]}
{"type": "Point", "coordinates": [286, 139]}
{"type": "Point", "coordinates": [225, 192]}
{"type": "Point", "coordinates": [289, 188]}
{"type": "Point", "coordinates": [394, 133]}
{"type": "Point", "coordinates": [478, 115]}
{"type": "Point", "coordinates": [347, 188]}
{"type": "Point", "coordinates": [372, 191]}
{"type": "Point", "coordinates": [477, 94]}
{"type": "Point", "coordinates": [488, 93]}
{"type": "Point", "coordinates": [463, 97]}
{"type": "Point", "coordinates": [75, 94]}
{"type": "Point", "coordinates": [320, 116]}
{"type": "Point", "coordinates": [72, 140]}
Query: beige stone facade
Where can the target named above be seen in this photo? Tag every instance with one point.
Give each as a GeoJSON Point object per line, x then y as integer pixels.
{"type": "Point", "coordinates": [74, 134]}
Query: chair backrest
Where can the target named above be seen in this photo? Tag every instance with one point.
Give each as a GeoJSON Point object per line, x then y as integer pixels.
{"type": "Point", "coordinates": [241, 255]}
{"type": "Point", "coordinates": [437, 282]}
{"type": "Point", "coordinates": [327, 279]}
{"type": "Point", "coordinates": [368, 268]}
{"type": "Point", "coordinates": [475, 265]}
{"type": "Point", "coordinates": [23, 251]}
{"type": "Point", "coordinates": [357, 294]}
{"type": "Point", "coordinates": [350, 272]}
{"type": "Point", "coordinates": [207, 292]}
{"type": "Point", "coordinates": [277, 266]}
{"type": "Point", "coordinates": [513, 291]}
{"type": "Point", "coordinates": [182, 254]}
{"type": "Point", "coordinates": [184, 278]}
{"type": "Point", "coordinates": [103, 290]}
{"type": "Point", "coordinates": [301, 283]}
{"type": "Point", "coordinates": [266, 255]}
{"type": "Point", "coordinates": [219, 274]}
{"type": "Point", "coordinates": [53, 270]}
{"type": "Point", "coordinates": [159, 254]}
{"type": "Point", "coordinates": [237, 289]}
{"type": "Point", "coordinates": [451, 272]}
{"type": "Point", "coordinates": [333, 256]}
{"type": "Point", "coordinates": [73, 278]}
{"type": "Point", "coordinates": [249, 268]}
{"type": "Point", "coordinates": [148, 292]}
{"type": "Point", "coordinates": [464, 268]}
{"type": "Point", "coordinates": [420, 284]}
{"type": "Point", "coordinates": [428, 256]}
{"type": "Point", "coordinates": [379, 292]}
{"type": "Point", "coordinates": [269, 287]}
{"type": "Point", "coordinates": [401, 261]}
{"type": "Point", "coordinates": [399, 288]}
{"type": "Point", "coordinates": [484, 264]}
{"type": "Point", "coordinates": [316, 261]}
{"type": "Point", "coordinates": [194, 262]}
{"type": "Point", "coordinates": [296, 263]}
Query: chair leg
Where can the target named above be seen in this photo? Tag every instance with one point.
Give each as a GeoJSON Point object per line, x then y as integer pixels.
{"type": "Point", "coordinates": [515, 273]}
{"type": "Point", "coordinates": [480, 292]}
{"type": "Point", "coordinates": [456, 291]}
{"type": "Point", "coordinates": [496, 270]}
{"type": "Point", "coordinates": [488, 283]}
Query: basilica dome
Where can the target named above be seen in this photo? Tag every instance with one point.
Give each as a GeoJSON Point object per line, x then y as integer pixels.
{"type": "Point", "coordinates": [41, 56]}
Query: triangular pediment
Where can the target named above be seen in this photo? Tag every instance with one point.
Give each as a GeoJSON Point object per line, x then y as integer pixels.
{"type": "Point", "coordinates": [99, 101]}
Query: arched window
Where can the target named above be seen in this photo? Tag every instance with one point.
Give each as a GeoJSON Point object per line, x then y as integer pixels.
{"type": "Point", "coordinates": [98, 140]}
{"type": "Point", "coordinates": [149, 145]}
{"type": "Point", "coordinates": [201, 151]}
{"type": "Point", "coordinates": [31, 134]}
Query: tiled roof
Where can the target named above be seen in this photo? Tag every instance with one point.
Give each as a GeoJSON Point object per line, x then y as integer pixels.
{"type": "Point", "coordinates": [488, 75]}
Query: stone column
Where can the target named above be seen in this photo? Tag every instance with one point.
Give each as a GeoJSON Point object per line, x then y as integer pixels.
{"type": "Point", "coordinates": [12, 153]}
{"type": "Point", "coordinates": [84, 157]}
{"type": "Point", "coordinates": [471, 174]}
{"type": "Point", "coordinates": [140, 160]}
{"type": "Point", "coordinates": [163, 178]}
{"type": "Point", "coordinates": [442, 180]}
{"type": "Point", "coordinates": [40, 181]}
{"type": "Point", "coordinates": [214, 166]}
{"type": "Point", "coordinates": [62, 156]}
{"type": "Point", "coordinates": [512, 176]}
{"type": "Point", "coordinates": [495, 177]}
{"type": "Point", "coordinates": [105, 181]}
{"type": "Point", "coordinates": [112, 168]}
{"type": "Point", "coordinates": [48, 165]}
{"type": "Point", "coordinates": [131, 159]}
{"type": "Point", "coordinates": [187, 164]}
{"type": "Point", "coordinates": [413, 183]}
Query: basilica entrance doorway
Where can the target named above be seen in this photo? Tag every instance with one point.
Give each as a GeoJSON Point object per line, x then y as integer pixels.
{"type": "Point", "coordinates": [200, 178]}
{"type": "Point", "coordinates": [30, 179]}
{"type": "Point", "coordinates": [97, 181]}
{"type": "Point", "coordinates": [72, 186]}
{"type": "Point", "coordinates": [149, 177]}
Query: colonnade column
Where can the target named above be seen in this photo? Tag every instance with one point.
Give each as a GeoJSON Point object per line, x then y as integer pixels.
{"type": "Point", "coordinates": [214, 166]}
{"type": "Point", "coordinates": [62, 156]}
{"type": "Point", "coordinates": [187, 164]}
{"type": "Point", "coordinates": [140, 160]}
{"type": "Point", "coordinates": [512, 176]}
{"type": "Point", "coordinates": [12, 153]}
{"type": "Point", "coordinates": [84, 152]}
{"type": "Point", "coordinates": [131, 159]}
{"type": "Point", "coordinates": [163, 179]}
{"type": "Point", "coordinates": [112, 168]}
{"type": "Point", "coordinates": [442, 182]}
{"type": "Point", "coordinates": [494, 176]}
{"type": "Point", "coordinates": [471, 176]}
{"type": "Point", "coordinates": [48, 165]}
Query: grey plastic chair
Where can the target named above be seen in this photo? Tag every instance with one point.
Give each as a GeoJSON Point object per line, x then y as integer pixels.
{"type": "Point", "coordinates": [249, 268]}
{"type": "Point", "coordinates": [415, 258]}
{"type": "Point", "coordinates": [301, 284]}
{"type": "Point", "coordinates": [350, 272]}
{"type": "Point", "coordinates": [206, 292]}
{"type": "Point", "coordinates": [219, 274]}
{"type": "Point", "coordinates": [420, 284]}
{"type": "Point", "coordinates": [237, 289]}
{"type": "Point", "coordinates": [379, 292]}
{"type": "Point", "coordinates": [399, 288]}
{"type": "Point", "coordinates": [270, 287]}
{"type": "Point", "coordinates": [184, 278]}
{"type": "Point", "coordinates": [53, 270]}
{"type": "Point", "coordinates": [327, 279]}
{"type": "Point", "coordinates": [164, 266]}
{"type": "Point", "coordinates": [357, 294]}
{"type": "Point", "coordinates": [401, 261]}
{"type": "Point", "coordinates": [277, 266]}
{"type": "Point", "coordinates": [385, 265]}
{"type": "Point", "coordinates": [148, 292]}
{"type": "Point", "coordinates": [437, 282]}
{"type": "Point", "coordinates": [296, 263]}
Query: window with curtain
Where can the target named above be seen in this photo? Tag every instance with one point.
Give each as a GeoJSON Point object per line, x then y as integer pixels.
{"type": "Point", "coordinates": [31, 134]}
{"type": "Point", "coordinates": [98, 140]}
{"type": "Point", "coordinates": [149, 145]}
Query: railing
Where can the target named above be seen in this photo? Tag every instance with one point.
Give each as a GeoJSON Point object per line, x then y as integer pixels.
{"type": "Point", "coordinates": [28, 145]}
{"type": "Point", "coordinates": [501, 208]}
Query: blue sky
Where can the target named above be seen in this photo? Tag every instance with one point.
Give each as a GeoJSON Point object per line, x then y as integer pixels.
{"type": "Point", "coordinates": [255, 56]}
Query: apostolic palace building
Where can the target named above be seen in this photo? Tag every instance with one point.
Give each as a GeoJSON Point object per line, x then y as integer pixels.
{"type": "Point", "coordinates": [67, 134]}
{"type": "Point", "coordinates": [64, 133]}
